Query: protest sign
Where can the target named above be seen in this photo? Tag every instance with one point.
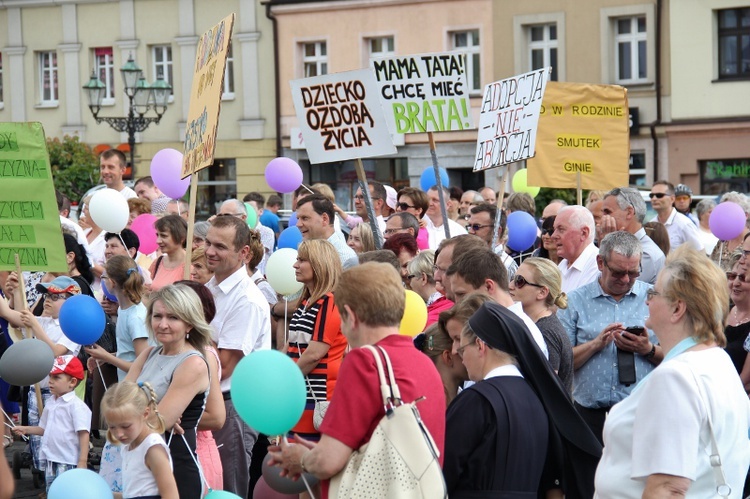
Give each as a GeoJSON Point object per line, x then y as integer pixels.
{"type": "Point", "coordinates": [205, 97]}
{"type": "Point", "coordinates": [583, 133]}
{"type": "Point", "coordinates": [29, 219]}
{"type": "Point", "coordinates": [341, 117]}
{"type": "Point", "coordinates": [508, 119]}
{"type": "Point", "coordinates": [424, 92]}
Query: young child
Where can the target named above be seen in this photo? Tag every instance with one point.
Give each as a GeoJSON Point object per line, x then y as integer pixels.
{"type": "Point", "coordinates": [65, 421]}
{"type": "Point", "coordinates": [47, 329]}
{"type": "Point", "coordinates": [134, 422]}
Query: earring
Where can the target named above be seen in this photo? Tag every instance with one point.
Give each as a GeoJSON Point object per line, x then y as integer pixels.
{"type": "Point", "coordinates": [187, 336]}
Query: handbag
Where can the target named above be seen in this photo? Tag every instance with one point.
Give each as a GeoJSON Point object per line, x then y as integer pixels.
{"type": "Point", "coordinates": [401, 458]}
{"type": "Point", "coordinates": [321, 406]}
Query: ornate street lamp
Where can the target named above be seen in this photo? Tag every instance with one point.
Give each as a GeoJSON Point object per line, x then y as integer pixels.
{"type": "Point", "coordinates": [141, 98]}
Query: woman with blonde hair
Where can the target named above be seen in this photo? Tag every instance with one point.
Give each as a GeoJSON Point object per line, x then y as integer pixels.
{"type": "Point", "coordinates": [199, 271]}
{"type": "Point", "coordinates": [421, 280]}
{"type": "Point", "coordinates": [315, 342]}
{"type": "Point", "coordinates": [683, 430]}
{"type": "Point", "coordinates": [360, 238]}
{"type": "Point", "coordinates": [538, 286]}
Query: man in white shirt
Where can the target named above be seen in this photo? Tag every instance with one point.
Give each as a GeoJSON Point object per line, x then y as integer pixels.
{"type": "Point", "coordinates": [112, 163]}
{"type": "Point", "coordinates": [378, 194]}
{"type": "Point", "coordinates": [237, 208]}
{"type": "Point", "coordinates": [242, 325]}
{"type": "Point", "coordinates": [680, 228]}
{"type": "Point", "coordinates": [574, 237]}
{"type": "Point", "coordinates": [434, 219]}
{"type": "Point", "coordinates": [481, 223]}
{"type": "Point", "coordinates": [314, 221]}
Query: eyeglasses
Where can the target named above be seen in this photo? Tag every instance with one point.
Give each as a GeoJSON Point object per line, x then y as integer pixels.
{"type": "Point", "coordinates": [657, 195]}
{"type": "Point", "coordinates": [360, 197]}
{"type": "Point", "coordinates": [745, 253]}
{"type": "Point", "coordinates": [435, 268]}
{"type": "Point", "coordinates": [405, 206]}
{"type": "Point", "coordinates": [411, 276]}
{"type": "Point", "coordinates": [393, 231]}
{"type": "Point", "coordinates": [238, 215]}
{"type": "Point", "coordinates": [520, 281]}
{"type": "Point", "coordinates": [476, 227]}
{"type": "Point", "coordinates": [460, 350]}
{"type": "Point", "coordinates": [619, 274]}
{"type": "Point", "coordinates": [56, 297]}
{"type": "Point", "coordinates": [651, 293]}
{"type": "Point", "coordinates": [731, 276]}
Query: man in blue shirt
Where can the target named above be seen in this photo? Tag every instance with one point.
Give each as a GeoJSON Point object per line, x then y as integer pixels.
{"type": "Point", "coordinates": [269, 218]}
{"type": "Point", "coordinates": [595, 321]}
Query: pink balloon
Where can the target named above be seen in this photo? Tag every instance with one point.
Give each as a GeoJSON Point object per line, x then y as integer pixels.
{"type": "Point", "coordinates": [166, 169]}
{"type": "Point", "coordinates": [727, 221]}
{"type": "Point", "coordinates": [143, 226]}
{"type": "Point", "coordinates": [283, 175]}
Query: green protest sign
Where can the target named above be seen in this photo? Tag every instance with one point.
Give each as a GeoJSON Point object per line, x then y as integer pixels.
{"type": "Point", "coordinates": [29, 219]}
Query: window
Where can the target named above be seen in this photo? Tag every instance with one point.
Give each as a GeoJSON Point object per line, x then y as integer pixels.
{"type": "Point", "coordinates": [543, 48]}
{"type": "Point", "coordinates": [1, 81]}
{"type": "Point", "coordinates": [215, 185]}
{"type": "Point", "coordinates": [734, 43]}
{"type": "Point", "coordinates": [162, 59]}
{"type": "Point", "coordinates": [105, 69]}
{"type": "Point", "coordinates": [48, 77]}
{"type": "Point", "coordinates": [382, 46]}
{"type": "Point", "coordinates": [630, 49]}
{"type": "Point", "coordinates": [314, 59]}
{"type": "Point", "coordinates": [468, 42]}
{"type": "Point", "coordinates": [229, 76]}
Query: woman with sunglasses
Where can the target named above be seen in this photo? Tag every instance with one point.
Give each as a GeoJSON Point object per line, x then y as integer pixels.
{"type": "Point", "coordinates": [537, 285]}
{"type": "Point", "coordinates": [421, 280]}
{"type": "Point", "coordinates": [548, 249]}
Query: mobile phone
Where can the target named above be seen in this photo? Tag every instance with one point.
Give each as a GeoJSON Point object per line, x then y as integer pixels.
{"type": "Point", "coordinates": [636, 330]}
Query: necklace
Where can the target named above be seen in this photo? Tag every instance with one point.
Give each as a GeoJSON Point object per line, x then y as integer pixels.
{"type": "Point", "coordinates": [162, 355]}
{"type": "Point", "coordinates": [737, 321]}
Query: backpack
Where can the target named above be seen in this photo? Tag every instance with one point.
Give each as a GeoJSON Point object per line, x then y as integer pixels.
{"type": "Point", "coordinates": [400, 460]}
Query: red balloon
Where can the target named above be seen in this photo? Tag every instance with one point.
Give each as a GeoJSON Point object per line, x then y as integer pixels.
{"type": "Point", "coordinates": [144, 228]}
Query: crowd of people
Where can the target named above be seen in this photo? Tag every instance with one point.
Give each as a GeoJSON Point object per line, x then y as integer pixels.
{"type": "Point", "coordinates": [611, 358]}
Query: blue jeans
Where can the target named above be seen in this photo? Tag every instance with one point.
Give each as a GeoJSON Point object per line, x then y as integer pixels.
{"type": "Point", "coordinates": [35, 441]}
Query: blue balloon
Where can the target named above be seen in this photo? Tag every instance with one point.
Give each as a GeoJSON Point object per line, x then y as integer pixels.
{"type": "Point", "coordinates": [290, 237]}
{"type": "Point", "coordinates": [79, 483]}
{"type": "Point", "coordinates": [82, 319]}
{"type": "Point", "coordinates": [521, 231]}
{"type": "Point", "coordinates": [292, 219]}
{"type": "Point", "coordinates": [107, 293]}
{"type": "Point", "coordinates": [428, 178]}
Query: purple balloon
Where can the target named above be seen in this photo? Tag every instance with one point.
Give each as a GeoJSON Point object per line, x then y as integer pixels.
{"type": "Point", "coordinates": [166, 169]}
{"type": "Point", "coordinates": [521, 231]}
{"type": "Point", "coordinates": [283, 175]}
{"type": "Point", "coordinates": [727, 221]}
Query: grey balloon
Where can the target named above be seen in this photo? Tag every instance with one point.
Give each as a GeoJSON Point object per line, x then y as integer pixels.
{"type": "Point", "coordinates": [26, 362]}
{"type": "Point", "coordinates": [283, 484]}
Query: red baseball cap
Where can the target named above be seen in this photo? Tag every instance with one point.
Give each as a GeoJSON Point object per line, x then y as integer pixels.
{"type": "Point", "coordinates": [69, 365]}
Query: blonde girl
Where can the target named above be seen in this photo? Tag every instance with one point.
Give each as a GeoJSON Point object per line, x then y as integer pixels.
{"type": "Point", "coordinates": [134, 422]}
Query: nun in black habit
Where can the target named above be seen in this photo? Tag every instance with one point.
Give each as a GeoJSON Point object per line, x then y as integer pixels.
{"type": "Point", "coordinates": [514, 434]}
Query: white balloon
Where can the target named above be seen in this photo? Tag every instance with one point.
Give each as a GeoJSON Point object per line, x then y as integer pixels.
{"type": "Point", "coordinates": [109, 210]}
{"type": "Point", "coordinates": [280, 271]}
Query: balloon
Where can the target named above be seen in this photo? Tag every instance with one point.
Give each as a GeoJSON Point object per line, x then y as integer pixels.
{"type": "Point", "coordinates": [283, 484]}
{"type": "Point", "coordinates": [166, 170]}
{"type": "Point", "coordinates": [79, 483]}
{"type": "Point", "coordinates": [292, 219]}
{"type": "Point", "coordinates": [283, 175]}
{"type": "Point", "coordinates": [520, 183]}
{"type": "Point", "coordinates": [727, 220]}
{"type": "Point", "coordinates": [252, 216]}
{"type": "Point", "coordinates": [107, 293]}
{"type": "Point", "coordinates": [144, 227]}
{"type": "Point", "coordinates": [427, 179]}
{"type": "Point", "coordinates": [290, 237]}
{"type": "Point", "coordinates": [26, 362]}
{"type": "Point", "coordinates": [280, 273]}
{"type": "Point", "coordinates": [82, 319]}
{"type": "Point", "coordinates": [270, 408]}
{"type": "Point", "coordinates": [415, 315]}
{"type": "Point", "coordinates": [221, 494]}
{"type": "Point", "coordinates": [264, 491]}
{"type": "Point", "coordinates": [521, 231]}
{"type": "Point", "coordinates": [109, 210]}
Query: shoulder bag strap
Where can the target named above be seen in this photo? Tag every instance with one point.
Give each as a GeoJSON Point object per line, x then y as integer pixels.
{"type": "Point", "coordinates": [392, 378]}
{"type": "Point", "coordinates": [385, 389]}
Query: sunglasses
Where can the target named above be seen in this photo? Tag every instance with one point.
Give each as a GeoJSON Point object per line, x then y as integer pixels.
{"type": "Point", "coordinates": [657, 195]}
{"type": "Point", "coordinates": [404, 206]}
{"type": "Point", "coordinates": [731, 276]}
{"type": "Point", "coordinates": [520, 281]}
{"type": "Point", "coordinates": [393, 231]}
{"type": "Point", "coordinates": [56, 297]}
{"type": "Point", "coordinates": [476, 227]}
{"type": "Point", "coordinates": [619, 274]}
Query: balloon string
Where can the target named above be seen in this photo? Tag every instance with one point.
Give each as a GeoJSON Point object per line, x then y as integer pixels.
{"type": "Point", "coordinates": [200, 470]}
{"type": "Point", "coordinates": [12, 424]}
{"type": "Point", "coordinates": [286, 325]}
{"type": "Point", "coordinates": [308, 189]}
{"type": "Point", "coordinates": [119, 235]}
{"type": "Point", "coordinates": [304, 479]}
{"type": "Point", "coordinates": [99, 368]}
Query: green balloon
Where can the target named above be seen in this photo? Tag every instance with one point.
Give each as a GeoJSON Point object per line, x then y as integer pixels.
{"type": "Point", "coordinates": [221, 494]}
{"type": "Point", "coordinates": [272, 408]}
{"type": "Point", "coordinates": [252, 216]}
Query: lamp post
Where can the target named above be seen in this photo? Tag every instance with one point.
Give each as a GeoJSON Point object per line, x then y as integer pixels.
{"type": "Point", "coordinates": [141, 97]}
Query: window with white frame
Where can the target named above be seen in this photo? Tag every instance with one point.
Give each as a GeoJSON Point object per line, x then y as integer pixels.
{"type": "Point", "coordinates": [468, 42]}
{"type": "Point", "coordinates": [543, 47]}
{"type": "Point", "coordinates": [314, 59]}
{"type": "Point", "coordinates": [631, 49]}
{"type": "Point", "coordinates": [104, 66]}
{"type": "Point", "coordinates": [381, 46]}
{"type": "Point", "coordinates": [161, 56]}
{"type": "Point", "coordinates": [734, 43]}
{"type": "Point", "coordinates": [229, 75]}
{"type": "Point", "coordinates": [48, 92]}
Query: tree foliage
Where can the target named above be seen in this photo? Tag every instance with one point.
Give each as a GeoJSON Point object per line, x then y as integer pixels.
{"type": "Point", "coordinates": [75, 167]}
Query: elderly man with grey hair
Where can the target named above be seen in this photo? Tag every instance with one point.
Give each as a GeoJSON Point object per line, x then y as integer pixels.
{"type": "Point", "coordinates": [610, 356]}
{"type": "Point", "coordinates": [574, 237]}
{"type": "Point", "coordinates": [236, 208]}
{"type": "Point", "coordinates": [703, 211]}
{"type": "Point", "coordinates": [625, 209]}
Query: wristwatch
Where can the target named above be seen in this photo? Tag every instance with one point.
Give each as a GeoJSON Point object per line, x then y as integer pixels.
{"type": "Point", "coordinates": [652, 352]}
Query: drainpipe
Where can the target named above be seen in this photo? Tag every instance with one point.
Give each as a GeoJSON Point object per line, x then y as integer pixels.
{"type": "Point", "coordinates": [657, 81]}
{"type": "Point", "coordinates": [276, 83]}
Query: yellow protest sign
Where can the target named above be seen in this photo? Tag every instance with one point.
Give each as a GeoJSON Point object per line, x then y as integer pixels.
{"type": "Point", "coordinates": [205, 97]}
{"type": "Point", "coordinates": [583, 129]}
{"type": "Point", "coordinates": [29, 219]}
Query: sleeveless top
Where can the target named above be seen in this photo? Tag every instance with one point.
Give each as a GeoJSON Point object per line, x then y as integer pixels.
{"type": "Point", "coordinates": [138, 479]}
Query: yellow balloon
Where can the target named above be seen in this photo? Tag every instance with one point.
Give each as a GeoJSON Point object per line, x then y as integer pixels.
{"type": "Point", "coordinates": [415, 315]}
{"type": "Point", "coordinates": [520, 183]}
